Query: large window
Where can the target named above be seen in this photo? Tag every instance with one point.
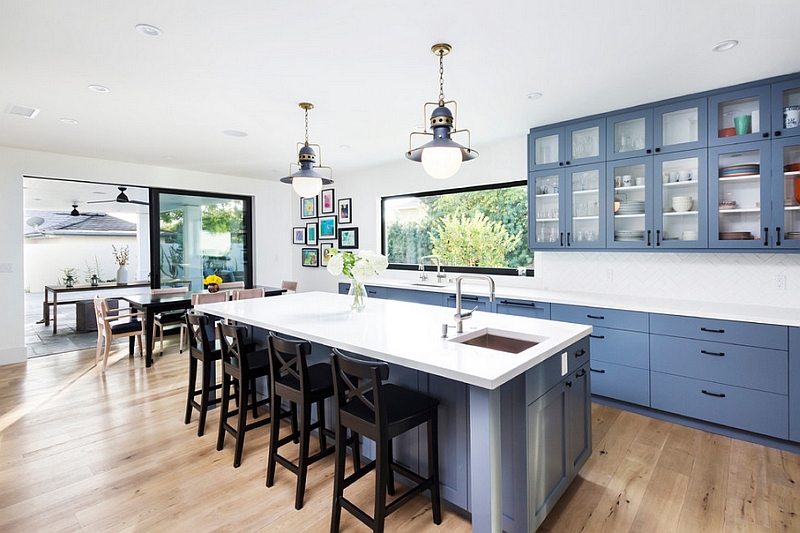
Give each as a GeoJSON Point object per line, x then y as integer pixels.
{"type": "Point", "coordinates": [478, 228]}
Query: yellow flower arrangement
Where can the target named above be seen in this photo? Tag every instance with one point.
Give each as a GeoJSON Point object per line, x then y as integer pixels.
{"type": "Point", "coordinates": [212, 279]}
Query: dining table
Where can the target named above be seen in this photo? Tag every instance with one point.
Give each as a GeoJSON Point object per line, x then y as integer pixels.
{"type": "Point", "coordinates": [152, 304]}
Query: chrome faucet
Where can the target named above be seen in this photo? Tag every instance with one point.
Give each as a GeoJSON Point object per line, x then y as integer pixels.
{"type": "Point", "coordinates": [438, 260]}
{"type": "Point", "coordinates": [461, 316]}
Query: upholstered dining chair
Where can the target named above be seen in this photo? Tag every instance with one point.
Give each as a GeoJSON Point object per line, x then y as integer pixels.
{"type": "Point", "coordinates": [116, 324]}
{"type": "Point", "coordinates": [169, 318]}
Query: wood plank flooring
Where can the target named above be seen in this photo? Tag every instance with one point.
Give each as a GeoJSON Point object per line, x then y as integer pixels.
{"type": "Point", "coordinates": [83, 451]}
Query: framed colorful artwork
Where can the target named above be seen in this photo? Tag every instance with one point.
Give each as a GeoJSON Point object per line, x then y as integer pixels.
{"type": "Point", "coordinates": [298, 235]}
{"type": "Point", "coordinates": [348, 238]}
{"type": "Point", "coordinates": [310, 257]}
{"type": "Point", "coordinates": [327, 203]}
{"type": "Point", "coordinates": [308, 207]}
{"type": "Point", "coordinates": [345, 211]}
{"type": "Point", "coordinates": [311, 233]}
{"type": "Point", "coordinates": [326, 249]}
{"type": "Point", "coordinates": [327, 228]}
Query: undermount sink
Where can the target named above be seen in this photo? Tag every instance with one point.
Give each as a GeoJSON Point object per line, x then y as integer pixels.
{"type": "Point", "coordinates": [502, 341]}
{"type": "Point", "coordinates": [421, 284]}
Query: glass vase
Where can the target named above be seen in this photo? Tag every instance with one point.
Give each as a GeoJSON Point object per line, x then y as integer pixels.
{"type": "Point", "coordinates": [359, 293]}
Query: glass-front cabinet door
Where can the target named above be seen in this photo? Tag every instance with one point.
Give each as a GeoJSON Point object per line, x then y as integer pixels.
{"type": "Point", "coordinates": [630, 213]}
{"type": "Point", "coordinates": [680, 126]}
{"type": "Point", "coordinates": [786, 193]}
{"type": "Point", "coordinates": [585, 209]}
{"type": "Point", "coordinates": [629, 134]}
{"type": "Point", "coordinates": [585, 142]}
{"type": "Point", "coordinates": [680, 200]}
{"type": "Point", "coordinates": [546, 148]}
{"type": "Point", "coordinates": [739, 196]}
{"type": "Point", "coordinates": [545, 205]}
{"type": "Point", "coordinates": [786, 108]}
{"type": "Point", "coordinates": [739, 116]}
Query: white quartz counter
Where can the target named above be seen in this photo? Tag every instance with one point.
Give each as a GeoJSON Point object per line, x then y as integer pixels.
{"type": "Point", "coordinates": [779, 316]}
{"type": "Point", "coordinates": [404, 333]}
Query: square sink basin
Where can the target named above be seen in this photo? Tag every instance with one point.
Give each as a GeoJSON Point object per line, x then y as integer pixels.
{"type": "Point", "coordinates": [428, 285]}
{"type": "Point", "coordinates": [498, 340]}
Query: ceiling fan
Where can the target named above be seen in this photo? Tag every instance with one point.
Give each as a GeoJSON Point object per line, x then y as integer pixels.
{"type": "Point", "coordinates": [121, 198]}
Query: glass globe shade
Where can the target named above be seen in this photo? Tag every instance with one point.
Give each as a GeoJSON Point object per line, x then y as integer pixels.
{"type": "Point", "coordinates": [441, 162]}
{"type": "Point", "coordinates": [307, 187]}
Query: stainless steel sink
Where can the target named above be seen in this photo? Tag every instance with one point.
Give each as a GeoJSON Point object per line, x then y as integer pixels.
{"type": "Point", "coordinates": [502, 341]}
{"type": "Point", "coordinates": [428, 285]}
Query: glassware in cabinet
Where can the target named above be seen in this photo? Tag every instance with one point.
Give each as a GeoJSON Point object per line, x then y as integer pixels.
{"type": "Point", "coordinates": [680, 200]}
{"type": "Point", "coordinates": [586, 226]}
{"type": "Point", "coordinates": [545, 193]}
{"type": "Point", "coordinates": [680, 126]}
{"type": "Point", "coordinates": [739, 116]}
{"type": "Point", "coordinates": [786, 109]}
{"type": "Point", "coordinates": [585, 142]}
{"type": "Point", "coordinates": [629, 134]}
{"type": "Point", "coordinates": [630, 214]}
{"type": "Point", "coordinates": [786, 192]}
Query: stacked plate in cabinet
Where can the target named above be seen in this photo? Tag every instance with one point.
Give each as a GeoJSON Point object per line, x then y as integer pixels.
{"type": "Point", "coordinates": [735, 236]}
{"type": "Point", "coordinates": [792, 235]}
{"type": "Point", "coordinates": [735, 171]}
{"type": "Point", "coordinates": [631, 208]}
{"type": "Point", "coordinates": [622, 235]}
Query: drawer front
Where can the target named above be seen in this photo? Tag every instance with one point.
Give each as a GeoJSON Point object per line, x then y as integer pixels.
{"type": "Point", "coordinates": [732, 332]}
{"type": "Point", "coordinates": [417, 297]}
{"type": "Point", "coordinates": [751, 410]}
{"type": "Point", "coordinates": [731, 364]}
{"type": "Point", "coordinates": [547, 374]}
{"type": "Point", "coordinates": [597, 316]}
{"type": "Point", "coordinates": [468, 302]}
{"type": "Point", "coordinates": [621, 382]}
{"type": "Point", "coordinates": [630, 348]}
{"type": "Point", "coordinates": [508, 306]}
{"type": "Point", "coordinates": [372, 291]}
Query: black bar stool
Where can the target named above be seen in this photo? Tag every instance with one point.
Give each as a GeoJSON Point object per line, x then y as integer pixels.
{"type": "Point", "coordinates": [291, 378]}
{"type": "Point", "coordinates": [380, 411]}
{"type": "Point", "coordinates": [201, 350]}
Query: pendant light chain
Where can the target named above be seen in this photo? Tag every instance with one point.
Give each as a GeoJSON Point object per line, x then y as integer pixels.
{"type": "Point", "coordinates": [441, 77]}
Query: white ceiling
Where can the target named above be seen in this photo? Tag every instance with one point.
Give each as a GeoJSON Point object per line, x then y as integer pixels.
{"type": "Point", "coordinates": [366, 65]}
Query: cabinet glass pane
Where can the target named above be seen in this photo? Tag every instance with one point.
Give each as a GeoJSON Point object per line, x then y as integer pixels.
{"type": "Point", "coordinates": [629, 135]}
{"type": "Point", "coordinates": [739, 196]}
{"type": "Point", "coordinates": [791, 108]}
{"type": "Point", "coordinates": [586, 143]}
{"type": "Point", "coordinates": [586, 206]}
{"type": "Point", "coordinates": [679, 127]}
{"type": "Point", "coordinates": [546, 188]}
{"type": "Point", "coordinates": [629, 203]}
{"type": "Point", "coordinates": [546, 150]}
{"type": "Point", "coordinates": [738, 117]}
{"type": "Point", "coordinates": [680, 193]}
{"type": "Point", "coordinates": [791, 192]}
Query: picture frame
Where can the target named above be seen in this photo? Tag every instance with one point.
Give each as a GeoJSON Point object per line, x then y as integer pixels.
{"type": "Point", "coordinates": [310, 257]}
{"type": "Point", "coordinates": [298, 235]}
{"type": "Point", "coordinates": [345, 211]}
{"type": "Point", "coordinates": [325, 251]}
{"type": "Point", "coordinates": [348, 238]}
{"type": "Point", "coordinates": [308, 207]}
{"type": "Point", "coordinates": [327, 228]}
{"type": "Point", "coordinates": [311, 233]}
{"type": "Point", "coordinates": [327, 203]}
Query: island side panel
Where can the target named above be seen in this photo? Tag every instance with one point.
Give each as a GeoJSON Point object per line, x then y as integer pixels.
{"type": "Point", "coordinates": [485, 477]}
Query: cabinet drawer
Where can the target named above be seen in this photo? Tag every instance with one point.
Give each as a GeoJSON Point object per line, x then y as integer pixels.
{"type": "Point", "coordinates": [414, 296]}
{"type": "Point", "coordinates": [621, 382]}
{"type": "Point", "coordinates": [597, 316]}
{"type": "Point", "coordinates": [372, 291]}
{"type": "Point", "coordinates": [547, 374]}
{"type": "Point", "coordinates": [630, 348]}
{"type": "Point", "coordinates": [468, 302]}
{"type": "Point", "coordinates": [508, 306]}
{"type": "Point", "coordinates": [730, 331]}
{"type": "Point", "coordinates": [751, 410]}
{"type": "Point", "coordinates": [731, 364]}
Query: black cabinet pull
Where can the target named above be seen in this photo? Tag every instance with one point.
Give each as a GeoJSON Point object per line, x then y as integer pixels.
{"type": "Point", "coordinates": [591, 336]}
{"type": "Point", "coordinates": [569, 384]}
{"type": "Point", "coordinates": [717, 354]}
{"type": "Point", "coordinates": [598, 371]}
{"type": "Point", "coordinates": [648, 150]}
{"type": "Point", "coordinates": [648, 237]}
{"type": "Point", "coordinates": [715, 394]}
{"type": "Point", "coordinates": [568, 162]}
{"type": "Point", "coordinates": [581, 373]}
{"type": "Point", "coordinates": [519, 304]}
{"type": "Point", "coordinates": [560, 164]}
{"type": "Point", "coordinates": [766, 134]}
{"type": "Point", "coordinates": [766, 236]}
{"type": "Point", "coordinates": [596, 317]}
{"type": "Point", "coordinates": [568, 236]}
{"type": "Point", "coordinates": [580, 353]}
{"type": "Point", "coordinates": [562, 238]}
{"type": "Point", "coordinates": [658, 150]}
{"type": "Point", "coordinates": [709, 330]}
{"type": "Point", "coordinates": [777, 134]}
{"type": "Point", "coordinates": [778, 237]}
{"type": "Point", "coordinates": [371, 292]}
{"type": "Point", "coordinates": [658, 237]}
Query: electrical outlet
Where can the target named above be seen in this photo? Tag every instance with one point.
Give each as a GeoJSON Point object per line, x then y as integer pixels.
{"type": "Point", "coordinates": [609, 275]}
{"type": "Point", "coordinates": [564, 363]}
{"type": "Point", "coordinates": [779, 282]}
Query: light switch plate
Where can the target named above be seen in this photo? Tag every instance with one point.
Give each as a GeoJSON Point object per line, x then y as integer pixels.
{"type": "Point", "coordinates": [564, 363]}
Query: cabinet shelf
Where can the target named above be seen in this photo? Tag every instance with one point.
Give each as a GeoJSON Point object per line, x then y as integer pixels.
{"type": "Point", "coordinates": [548, 195]}
{"type": "Point", "coordinates": [585, 191]}
{"type": "Point", "coordinates": [750, 177]}
{"type": "Point", "coordinates": [546, 220]}
{"type": "Point", "coordinates": [671, 184]}
{"type": "Point", "coordinates": [742, 210]}
{"type": "Point", "coordinates": [630, 188]}
{"type": "Point", "coordinates": [640, 215]}
{"type": "Point", "coordinates": [593, 217]}
{"type": "Point", "coordinates": [679, 213]}
{"type": "Point", "coordinates": [791, 208]}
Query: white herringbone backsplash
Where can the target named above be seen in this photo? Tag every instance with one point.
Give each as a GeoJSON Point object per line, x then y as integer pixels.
{"type": "Point", "coordinates": [724, 277]}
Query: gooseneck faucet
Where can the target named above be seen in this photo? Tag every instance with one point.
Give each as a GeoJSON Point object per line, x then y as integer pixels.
{"type": "Point", "coordinates": [461, 316]}
{"type": "Point", "coordinates": [433, 259]}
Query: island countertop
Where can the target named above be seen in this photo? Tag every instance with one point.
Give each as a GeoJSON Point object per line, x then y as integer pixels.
{"type": "Point", "coordinates": [406, 334]}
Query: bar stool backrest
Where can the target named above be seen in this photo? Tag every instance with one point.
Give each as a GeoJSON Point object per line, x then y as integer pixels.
{"type": "Point", "coordinates": [232, 342]}
{"type": "Point", "coordinates": [288, 364]}
{"type": "Point", "coordinates": [201, 331]}
{"type": "Point", "coordinates": [357, 392]}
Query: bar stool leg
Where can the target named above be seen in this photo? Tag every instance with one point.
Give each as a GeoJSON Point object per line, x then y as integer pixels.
{"type": "Point", "coordinates": [274, 436]}
{"type": "Point", "coordinates": [389, 471]}
{"type": "Point", "coordinates": [382, 469]}
{"type": "Point", "coordinates": [302, 462]}
{"type": "Point", "coordinates": [338, 477]}
{"type": "Point", "coordinates": [241, 422]}
{"type": "Point", "coordinates": [223, 412]}
{"type": "Point", "coordinates": [192, 385]}
{"type": "Point", "coordinates": [205, 388]}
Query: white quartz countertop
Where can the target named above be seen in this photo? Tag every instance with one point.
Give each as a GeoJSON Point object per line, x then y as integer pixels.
{"type": "Point", "coordinates": [780, 316]}
{"type": "Point", "coordinates": [404, 333]}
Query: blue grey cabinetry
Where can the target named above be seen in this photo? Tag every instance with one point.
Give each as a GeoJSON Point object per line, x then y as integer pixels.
{"type": "Point", "coordinates": [372, 291]}
{"type": "Point", "coordinates": [546, 206]}
{"type": "Point", "coordinates": [725, 109]}
{"type": "Point", "coordinates": [681, 180]}
{"type": "Point", "coordinates": [469, 301]}
{"type": "Point", "coordinates": [725, 372]}
{"type": "Point", "coordinates": [629, 134]}
{"type": "Point", "coordinates": [794, 384]}
{"type": "Point", "coordinates": [414, 296]}
{"type": "Point", "coordinates": [785, 192]}
{"type": "Point", "coordinates": [785, 98]}
{"type": "Point", "coordinates": [630, 204]}
{"type": "Point", "coordinates": [576, 143]}
{"type": "Point", "coordinates": [620, 350]}
{"type": "Point", "coordinates": [680, 126]}
{"type": "Point", "coordinates": [510, 306]}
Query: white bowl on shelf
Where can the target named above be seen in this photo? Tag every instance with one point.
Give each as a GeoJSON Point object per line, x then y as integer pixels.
{"type": "Point", "coordinates": [681, 204]}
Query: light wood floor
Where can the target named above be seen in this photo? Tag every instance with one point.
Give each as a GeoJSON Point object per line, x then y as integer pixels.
{"type": "Point", "coordinates": [82, 451]}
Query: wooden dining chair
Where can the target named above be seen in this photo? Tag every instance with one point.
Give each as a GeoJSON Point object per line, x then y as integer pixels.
{"type": "Point", "coordinates": [289, 285]}
{"type": "Point", "coordinates": [246, 294]}
{"type": "Point", "coordinates": [116, 324]}
{"type": "Point", "coordinates": [230, 285]}
{"type": "Point", "coordinates": [201, 298]}
{"type": "Point", "coordinates": [168, 318]}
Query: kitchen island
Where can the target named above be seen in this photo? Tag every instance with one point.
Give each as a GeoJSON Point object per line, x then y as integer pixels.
{"type": "Point", "coordinates": [479, 388]}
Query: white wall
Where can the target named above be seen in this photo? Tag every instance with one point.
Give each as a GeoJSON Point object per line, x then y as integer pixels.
{"type": "Point", "coordinates": [271, 221]}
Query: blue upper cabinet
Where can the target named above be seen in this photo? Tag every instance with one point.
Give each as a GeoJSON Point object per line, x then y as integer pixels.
{"type": "Point", "coordinates": [545, 209]}
{"type": "Point", "coordinates": [785, 193]}
{"type": "Point", "coordinates": [785, 104]}
{"type": "Point", "coordinates": [629, 134]}
{"type": "Point", "coordinates": [629, 203]}
{"type": "Point", "coordinates": [680, 200]}
{"type": "Point", "coordinates": [573, 144]}
{"type": "Point", "coordinates": [680, 126]}
{"type": "Point", "coordinates": [739, 116]}
{"type": "Point", "coordinates": [546, 148]}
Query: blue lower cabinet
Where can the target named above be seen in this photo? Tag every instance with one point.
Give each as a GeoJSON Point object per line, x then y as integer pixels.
{"type": "Point", "coordinates": [621, 382]}
{"type": "Point", "coordinates": [794, 384]}
{"type": "Point", "coordinates": [629, 348]}
{"type": "Point", "coordinates": [372, 291]}
{"type": "Point", "coordinates": [414, 296]}
{"type": "Point", "coordinates": [747, 409]}
{"type": "Point", "coordinates": [596, 316]}
{"type": "Point", "coordinates": [508, 306]}
{"type": "Point", "coordinates": [469, 301]}
{"type": "Point", "coordinates": [733, 332]}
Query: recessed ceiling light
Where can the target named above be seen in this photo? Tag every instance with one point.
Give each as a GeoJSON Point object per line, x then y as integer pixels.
{"type": "Point", "coordinates": [235, 133]}
{"type": "Point", "coordinates": [69, 121]}
{"type": "Point", "coordinates": [344, 146]}
{"type": "Point", "coordinates": [148, 30]}
{"type": "Point", "coordinates": [98, 88]}
{"type": "Point", "coordinates": [725, 45]}
{"type": "Point", "coordinates": [534, 96]}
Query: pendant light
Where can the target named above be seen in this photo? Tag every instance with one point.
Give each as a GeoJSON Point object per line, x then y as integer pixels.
{"type": "Point", "coordinates": [74, 212]}
{"type": "Point", "coordinates": [441, 157]}
{"type": "Point", "coordinates": [307, 182]}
